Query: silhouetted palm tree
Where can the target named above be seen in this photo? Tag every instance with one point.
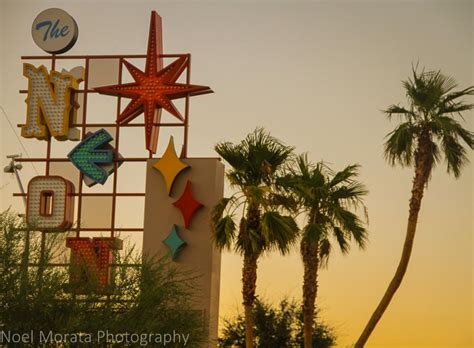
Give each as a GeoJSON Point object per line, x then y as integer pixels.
{"type": "Point", "coordinates": [255, 164]}
{"type": "Point", "coordinates": [328, 201]}
{"type": "Point", "coordinates": [428, 132]}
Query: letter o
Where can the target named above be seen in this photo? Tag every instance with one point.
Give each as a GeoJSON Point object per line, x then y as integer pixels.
{"type": "Point", "coordinates": [50, 204]}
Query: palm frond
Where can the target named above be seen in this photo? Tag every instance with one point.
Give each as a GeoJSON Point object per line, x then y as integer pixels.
{"type": "Point", "coordinates": [351, 225]}
{"type": "Point", "coordinates": [454, 108]}
{"type": "Point", "coordinates": [346, 175]}
{"type": "Point", "coordinates": [232, 154]}
{"type": "Point", "coordinates": [313, 233]}
{"type": "Point", "coordinates": [458, 94]}
{"type": "Point", "coordinates": [254, 160]}
{"type": "Point", "coordinates": [278, 231]}
{"type": "Point", "coordinates": [218, 210]}
{"type": "Point", "coordinates": [400, 111]}
{"type": "Point", "coordinates": [445, 125]}
{"type": "Point", "coordinates": [304, 165]}
{"type": "Point", "coordinates": [257, 194]}
{"type": "Point", "coordinates": [256, 245]}
{"type": "Point", "coordinates": [435, 154]}
{"type": "Point", "coordinates": [265, 153]}
{"type": "Point", "coordinates": [283, 201]}
{"type": "Point", "coordinates": [425, 90]}
{"type": "Point", "coordinates": [324, 252]}
{"type": "Point", "coordinates": [244, 242]}
{"type": "Point", "coordinates": [399, 147]}
{"type": "Point", "coordinates": [342, 240]}
{"type": "Point", "coordinates": [224, 232]}
{"type": "Point", "coordinates": [455, 155]}
{"type": "Point", "coordinates": [352, 193]}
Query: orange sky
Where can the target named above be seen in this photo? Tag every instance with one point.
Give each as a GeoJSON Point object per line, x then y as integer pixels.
{"type": "Point", "coordinates": [316, 74]}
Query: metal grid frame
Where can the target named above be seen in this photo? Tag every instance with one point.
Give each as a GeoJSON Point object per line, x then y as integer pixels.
{"type": "Point", "coordinates": [84, 124]}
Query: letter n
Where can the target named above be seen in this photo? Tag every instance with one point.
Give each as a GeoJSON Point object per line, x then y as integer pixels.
{"type": "Point", "coordinates": [90, 267]}
{"type": "Point", "coordinates": [50, 204]}
{"type": "Point", "coordinates": [50, 104]}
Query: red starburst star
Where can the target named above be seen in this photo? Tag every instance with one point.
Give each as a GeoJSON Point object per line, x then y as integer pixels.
{"type": "Point", "coordinates": [155, 88]}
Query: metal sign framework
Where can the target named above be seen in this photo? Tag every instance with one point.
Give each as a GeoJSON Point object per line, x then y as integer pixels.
{"type": "Point", "coordinates": [85, 124]}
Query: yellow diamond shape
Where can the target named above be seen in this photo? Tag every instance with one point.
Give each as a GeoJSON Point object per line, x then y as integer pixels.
{"type": "Point", "coordinates": [169, 165]}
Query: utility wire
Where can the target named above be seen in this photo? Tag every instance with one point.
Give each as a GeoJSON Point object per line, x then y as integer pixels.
{"type": "Point", "coordinates": [18, 138]}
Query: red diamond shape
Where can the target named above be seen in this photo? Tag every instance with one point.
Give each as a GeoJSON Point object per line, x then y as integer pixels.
{"type": "Point", "coordinates": [187, 204]}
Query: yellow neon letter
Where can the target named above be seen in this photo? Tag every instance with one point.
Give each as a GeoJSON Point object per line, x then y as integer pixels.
{"type": "Point", "coordinates": [50, 108]}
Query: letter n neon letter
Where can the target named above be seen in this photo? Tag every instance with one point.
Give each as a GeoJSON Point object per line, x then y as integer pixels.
{"type": "Point", "coordinates": [49, 109]}
{"type": "Point", "coordinates": [91, 259]}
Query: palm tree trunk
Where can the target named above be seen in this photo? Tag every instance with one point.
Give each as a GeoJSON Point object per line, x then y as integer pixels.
{"type": "Point", "coordinates": [249, 284]}
{"type": "Point", "coordinates": [423, 166]}
{"type": "Point", "coordinates": [310, 257]}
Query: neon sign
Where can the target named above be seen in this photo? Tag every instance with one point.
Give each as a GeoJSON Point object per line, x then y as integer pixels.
{"type": "Point", "coordinates": [49, 111]}
{"type": "Point", "coordinates": [50, 204]}
{"type": "Point", "coordinates": [54, 31]}
{"type": "Point", "coordinates": [179, 191]}
{"type": "Point", "coordinates": [90, 154]}
{"type": "Point", "coordinates": [90, 263]}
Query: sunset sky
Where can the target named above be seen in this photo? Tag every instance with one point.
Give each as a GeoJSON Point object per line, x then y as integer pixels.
{"type": "Point", "coordinates": [316, 74]}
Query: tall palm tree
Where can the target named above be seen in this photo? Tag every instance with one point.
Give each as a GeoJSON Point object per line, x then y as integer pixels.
{"type": "Point", "coordinates": [329, 201]}
{"type": "Point", "coordinates": [255, 165]}
{"type": "Point", "coordinates": [428, 132]}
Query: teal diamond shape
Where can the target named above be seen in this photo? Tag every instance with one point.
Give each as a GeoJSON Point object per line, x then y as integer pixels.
{"type": "Point", "coordinates": [174, 242]}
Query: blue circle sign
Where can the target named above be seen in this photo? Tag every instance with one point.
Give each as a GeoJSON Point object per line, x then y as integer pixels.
{"type": "Point", "coordinates": [54, 31]}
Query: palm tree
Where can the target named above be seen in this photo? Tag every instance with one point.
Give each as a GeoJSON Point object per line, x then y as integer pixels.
{"type": "Point", "coordinates": [428, 132]}
{"type": "Point", "coordinates": [256, 163]}
{"type": "Point", "coordinates": [328, 201]}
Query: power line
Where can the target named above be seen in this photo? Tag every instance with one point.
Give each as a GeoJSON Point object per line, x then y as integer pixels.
{"type": "Point", "coordinates": [18, 138]}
